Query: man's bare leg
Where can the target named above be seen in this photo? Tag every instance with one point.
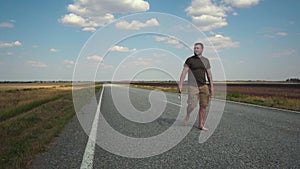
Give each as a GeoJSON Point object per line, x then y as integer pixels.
{"type": "Point", "coordinates": [188, 113]}
{"type": "Point", "coordinates": [202, 112]}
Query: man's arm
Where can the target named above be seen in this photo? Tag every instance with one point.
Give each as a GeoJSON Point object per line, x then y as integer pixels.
{"type": "Point", "coordinates": [182, 77]}
{"type": "Point", "coordinates": [211, 88]}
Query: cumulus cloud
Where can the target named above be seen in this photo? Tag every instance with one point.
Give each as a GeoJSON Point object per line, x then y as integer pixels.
{"type": "Point", "coordinates": [10, 44]}
{"type": "Point", "coordinates": [208, 14]}
{"type": "Point", "coordinates": [95, 58]}
{"type": "Point", "coordinates": [136, 25]}
{"type": "Point", "coordinates": [95, 13]}
{"type": "Point", "coordinates": [242, 3]}
{"type": "Point", "coordinates": [169, 40]}
{"type": "Point", "coordinates": [221, 41]}
{"type": "Point", "coordinates": [73, 20]}
{"type": "Point", "coordinates": [36, 63]}
{"type": "Point", "coordinates": [205, 7]}
{"type": "Point", "coordinates": [121, 49]}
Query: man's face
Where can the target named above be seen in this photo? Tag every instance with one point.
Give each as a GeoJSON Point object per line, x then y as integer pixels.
{"type": "Point", "coordinates": [198, 49]}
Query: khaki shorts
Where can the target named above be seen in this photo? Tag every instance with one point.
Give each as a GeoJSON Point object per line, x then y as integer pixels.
{"type": "Point", "coordinates": [197, 95]}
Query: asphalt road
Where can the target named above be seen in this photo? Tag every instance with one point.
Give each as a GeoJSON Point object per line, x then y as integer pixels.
{"type": "Point", "coordinates": [246, 137]}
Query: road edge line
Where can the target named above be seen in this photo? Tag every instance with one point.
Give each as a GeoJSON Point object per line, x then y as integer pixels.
{"type": "Point", "coordinates": [88, 157]}
{"type": "Point", "coordinates": [255, 105]}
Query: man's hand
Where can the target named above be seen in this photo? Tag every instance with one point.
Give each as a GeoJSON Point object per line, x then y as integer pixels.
{"type": "Point", "coordinates": [211, 90]}
{"type": "Point", "coordinates": [180, 88]}
{"type": "Point", "coordinates": [182, 77]}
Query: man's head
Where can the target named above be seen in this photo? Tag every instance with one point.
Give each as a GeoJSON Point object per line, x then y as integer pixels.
{"type": "Point", "coordinates": [198, 49]}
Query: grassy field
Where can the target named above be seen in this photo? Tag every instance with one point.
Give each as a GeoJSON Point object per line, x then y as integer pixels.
{"type": "Point", "coordinates": [271, 94]}
{"type": "Point", "coordinates": [31, 115]}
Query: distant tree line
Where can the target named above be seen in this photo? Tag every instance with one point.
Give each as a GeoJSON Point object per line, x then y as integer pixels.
{"type": "Point", "coordinates": [297, 80]}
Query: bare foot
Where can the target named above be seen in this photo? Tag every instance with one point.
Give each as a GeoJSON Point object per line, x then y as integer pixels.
{"type": "Point", "coordinates": [203, 128]}
{"type": "Point", "coordinates": [186, 120]}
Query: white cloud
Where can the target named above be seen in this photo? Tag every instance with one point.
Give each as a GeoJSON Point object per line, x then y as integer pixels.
{"type": "Point", "coordinates": [89, 29]}
{"type": "Point", "coordinates": [242, 3]}
{"type": "Point", "coordinates": [73, 20]}
{"type": "Point", "coordinates": [95, 13]}
{"type": "Point", "coordinates": [169, 40]}
{"type": "Point", "coordinates": [219, 41]}
{"type": "Point", "coordinates": [9, 24]}
{"type": "Point", "coordinates": [36, 63]}
{"type": "Point", "coordinates": [210, 14]}
{"type": "Point", "coordinates": [205, 7]}
{"type": "Point", "coordinates": [95, 57]}
{"type": "Point", "coordinates": [53, 50]}
{"type": "Point", "coordinates": [122, 49]}
{"type": "Point", "coordinates": [207, 15]}
{"type": "Point", "coordinates": [136, 25]}
{"type": "Point", "coordinates": [284, 53]}
{"type": "Point", "coordinates": [209, 22]}
{"type": "Point", "coordinates": [10, 44]}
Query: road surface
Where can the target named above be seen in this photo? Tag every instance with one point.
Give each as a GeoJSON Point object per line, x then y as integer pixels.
{"type": "Point", "coordinates": [247, 137]}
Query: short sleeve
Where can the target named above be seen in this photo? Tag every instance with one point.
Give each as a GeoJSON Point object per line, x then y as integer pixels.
{"type": "Point", "coordinates": [208, 65]}
{"type": "Point", "coordinates": [187, 63]}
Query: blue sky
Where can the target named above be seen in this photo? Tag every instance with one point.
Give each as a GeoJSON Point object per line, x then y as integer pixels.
{"type": "Point", "coordinates": [42, 40]}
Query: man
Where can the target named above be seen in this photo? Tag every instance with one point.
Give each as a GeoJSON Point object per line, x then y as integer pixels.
{"type": "Point", "coordinates": [197, 68]}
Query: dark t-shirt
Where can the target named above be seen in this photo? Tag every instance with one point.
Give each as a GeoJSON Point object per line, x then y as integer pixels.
{"type": "Point", "coordinates": [197, 70]}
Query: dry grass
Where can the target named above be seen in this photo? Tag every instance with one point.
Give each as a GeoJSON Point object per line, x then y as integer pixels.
{"type": "Point", "coordinates": [25, 135]}
{"type": "Point", "coordinates": [21, 86]}
{"type": "Point", "coordinates": [22, 94]}
{"type": "Point", "coordinates": [270, 101]}
{"type": "Point", "coordinates": [42, 112]}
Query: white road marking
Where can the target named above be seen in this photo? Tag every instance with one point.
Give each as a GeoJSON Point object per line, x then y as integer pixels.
{"type": "Point", "coordinates": [88, 157]}
{"type": "Point", "coordinates": [166, 101]}
{"type": "Point", "coordinates": [264, 107]}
